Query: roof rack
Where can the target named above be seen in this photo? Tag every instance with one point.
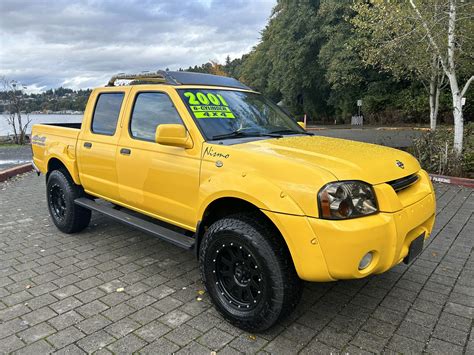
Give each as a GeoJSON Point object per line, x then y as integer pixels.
{"type": "Point", "coordinates": [178, 78]}
{"type": "Point", "coordinates": [142, 78]}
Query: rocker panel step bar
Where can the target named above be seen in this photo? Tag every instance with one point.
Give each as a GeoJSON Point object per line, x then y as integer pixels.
{"type": "Point", "coordinates": [163, 233]}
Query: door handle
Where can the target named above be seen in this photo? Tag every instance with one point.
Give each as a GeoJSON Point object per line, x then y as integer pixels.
{"type": "Point", "coordinates": [87, 145]}
{"type": "Point", "coordinates": [125, 151]}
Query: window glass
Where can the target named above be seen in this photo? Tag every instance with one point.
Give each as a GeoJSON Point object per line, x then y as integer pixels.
{"type": "Point", "coordinates": [236, 113]}
{"type": "Point", "coordinates": [106, 113]}
{"type": "Point", "coordinates": [150, 110]}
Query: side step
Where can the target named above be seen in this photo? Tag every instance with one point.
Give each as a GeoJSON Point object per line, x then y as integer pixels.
{"type": "Point", "coordinates": [164, 233]}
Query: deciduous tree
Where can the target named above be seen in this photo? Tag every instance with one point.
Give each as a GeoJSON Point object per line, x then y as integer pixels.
{"type": "Point", "coordinates": [448, 35]}
{"type": "Point", "coordinates": [15, 106]}
{"type": "Point", "coordinates": [427, 41]}
{"type": "Point", "coordinates": [388, 38]}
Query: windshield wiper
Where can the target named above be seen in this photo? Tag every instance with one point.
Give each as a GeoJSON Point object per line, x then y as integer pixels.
{"type": "Point", "coordinates": [291, 131]}
{"type": "Point", "coordinates": [236, 134]}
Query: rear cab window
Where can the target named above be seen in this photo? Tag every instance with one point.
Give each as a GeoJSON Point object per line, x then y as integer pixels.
{"type": "Point", "coordinates": [106, 113]}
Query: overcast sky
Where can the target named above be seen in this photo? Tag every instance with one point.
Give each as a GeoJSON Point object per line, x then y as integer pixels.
{"type": "Point", "coordinates": [80, 44]}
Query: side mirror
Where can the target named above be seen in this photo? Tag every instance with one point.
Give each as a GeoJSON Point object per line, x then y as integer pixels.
{"type": "Point", "coordinates": [174, 135]}
{"type": "Point", "coordinates": [302, 124]}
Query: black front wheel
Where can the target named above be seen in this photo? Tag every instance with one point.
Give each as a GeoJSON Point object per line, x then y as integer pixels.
{"type": "Point", "coordinates": [248, 272]}
{"type": "Point", "coordinates": [61, 193]}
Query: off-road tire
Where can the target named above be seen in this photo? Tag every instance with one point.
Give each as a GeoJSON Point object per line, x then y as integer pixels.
{"type": "Point", "coordinates": [61, 191]}
{"type": "Point", "coordinates": [255, 239]}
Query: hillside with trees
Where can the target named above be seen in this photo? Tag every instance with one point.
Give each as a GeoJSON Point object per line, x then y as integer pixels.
{"type": "Point", "coordinates": [409, 62]}
{"type": "Point", "coordinates": [320, 57]}
{"type": "Point", "coordinates": [60, 99]}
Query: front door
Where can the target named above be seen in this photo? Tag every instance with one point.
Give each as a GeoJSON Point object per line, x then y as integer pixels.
{"type": "Point", "coordinates": [159, 180]}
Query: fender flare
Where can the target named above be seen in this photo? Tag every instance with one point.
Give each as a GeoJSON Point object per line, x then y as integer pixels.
{"type": "Point", "coordinates": [254, 189]}
{"type": "Point", "coordinates": [69, 164]}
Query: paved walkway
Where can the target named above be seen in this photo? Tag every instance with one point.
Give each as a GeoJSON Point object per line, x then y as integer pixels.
{"type": "Point", "coordinates": [62, 292]}
{"type": "Point", "coordinates": [396, 138]}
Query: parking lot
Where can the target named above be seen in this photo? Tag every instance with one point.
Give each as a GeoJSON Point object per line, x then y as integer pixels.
{"type": "Point", "coordinates": [114, 289]}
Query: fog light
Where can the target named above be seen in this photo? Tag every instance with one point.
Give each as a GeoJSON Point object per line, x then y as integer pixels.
{"type": "Point", "coordinates": [366, 260]}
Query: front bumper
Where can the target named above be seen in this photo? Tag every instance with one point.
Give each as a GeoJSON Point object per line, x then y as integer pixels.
{"type": "Point", "coordinates": [327, 250]}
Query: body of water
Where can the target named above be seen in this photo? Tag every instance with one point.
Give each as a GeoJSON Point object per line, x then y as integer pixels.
{"type": "Point", "coordinates": [6, 130]}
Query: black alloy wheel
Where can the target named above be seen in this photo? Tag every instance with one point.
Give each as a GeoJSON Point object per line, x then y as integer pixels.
{"type": "Point", "coordinates": [248, 271]}
{"type": "Point", "coordinates": [58, 202]}
{"type": "Point", "coordinates": [237, 275]}
{"type": "Point", "coordinates": [61, 191]}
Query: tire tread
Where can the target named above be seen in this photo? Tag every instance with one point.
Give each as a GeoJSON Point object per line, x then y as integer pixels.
{"type": "Point", "coordinates": [289, 285]}
{"type": "Point", "coordinates": [79, 216]}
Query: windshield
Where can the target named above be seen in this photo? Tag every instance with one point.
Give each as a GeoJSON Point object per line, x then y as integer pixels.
{"type": "Point", "coordinates": [231, 114]}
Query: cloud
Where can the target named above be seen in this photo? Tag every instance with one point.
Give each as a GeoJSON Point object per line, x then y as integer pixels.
{"type": "Point", "coordinates": [81, 44]}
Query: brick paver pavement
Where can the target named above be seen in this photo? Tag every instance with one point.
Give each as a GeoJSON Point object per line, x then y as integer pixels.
{"type": "Point", "coordinates": [59, 292]}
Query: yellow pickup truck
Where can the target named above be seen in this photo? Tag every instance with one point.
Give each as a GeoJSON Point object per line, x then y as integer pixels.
{"type": "Point", "coordinates": [206, 163]}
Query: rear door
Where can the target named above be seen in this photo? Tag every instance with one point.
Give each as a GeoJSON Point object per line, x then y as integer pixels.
{"type": "Point", "coordinates": [97, 144]}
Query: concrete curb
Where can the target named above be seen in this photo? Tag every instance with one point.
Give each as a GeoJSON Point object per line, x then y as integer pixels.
{"type": "Point", "coordinates": [452, 180]}
{"type": "Point", "coordinates": [6, 174]}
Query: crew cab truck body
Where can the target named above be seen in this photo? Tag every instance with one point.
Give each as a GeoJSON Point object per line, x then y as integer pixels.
{"type": "Point", "coordinates": [226, 172]}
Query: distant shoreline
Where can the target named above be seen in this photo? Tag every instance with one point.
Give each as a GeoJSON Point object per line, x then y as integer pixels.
{"type": "Point", "coordinates": [37, 118]}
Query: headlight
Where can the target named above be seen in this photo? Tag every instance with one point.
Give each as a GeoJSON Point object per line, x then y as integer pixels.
{"type": "Point", "coordinates": [346, 199]}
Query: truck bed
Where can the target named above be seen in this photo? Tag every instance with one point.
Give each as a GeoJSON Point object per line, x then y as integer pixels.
{"type": "Point", "coordinates": [54, 140]}
{"type": "Point", "coordinates": [67, 130]}
{"type": "Point", "coordinates": [65, 125]}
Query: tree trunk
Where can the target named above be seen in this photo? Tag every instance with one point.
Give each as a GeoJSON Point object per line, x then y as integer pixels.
{"type": "Point", "coordinates": [433, 109]}
{"type": "Point", "coordinates": [436, 105]}
{"type": "Point", "coordinates": [434, 91]}
{"type": "Point", "coordinates": [15, 134]}
{"type": "Point", "coordinates": [453, 81]}
{"type": "Point", "coordinates": [21, 138]}
{"type": "Point", "coordinates": [458, 116]}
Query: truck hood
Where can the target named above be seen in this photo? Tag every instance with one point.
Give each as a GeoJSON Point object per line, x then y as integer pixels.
{"type": "Point", "coordinates": [345, 159]}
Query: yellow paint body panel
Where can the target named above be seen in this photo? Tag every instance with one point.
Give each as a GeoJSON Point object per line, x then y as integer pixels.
{"type": "Point", "coordinates": [281, 177]}
{"type": "Point", "coordinates": [51, 142]}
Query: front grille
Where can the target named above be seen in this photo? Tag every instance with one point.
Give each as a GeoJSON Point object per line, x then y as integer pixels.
{"type": "Point", "coordinates": [404, 182]}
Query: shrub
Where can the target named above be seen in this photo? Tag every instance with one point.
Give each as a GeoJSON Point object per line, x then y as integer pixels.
{"type": "Point", "coordinates": [434, 151]}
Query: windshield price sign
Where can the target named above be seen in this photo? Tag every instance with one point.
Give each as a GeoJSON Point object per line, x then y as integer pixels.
{"type": "Point", "coordinates": [208, 105]}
